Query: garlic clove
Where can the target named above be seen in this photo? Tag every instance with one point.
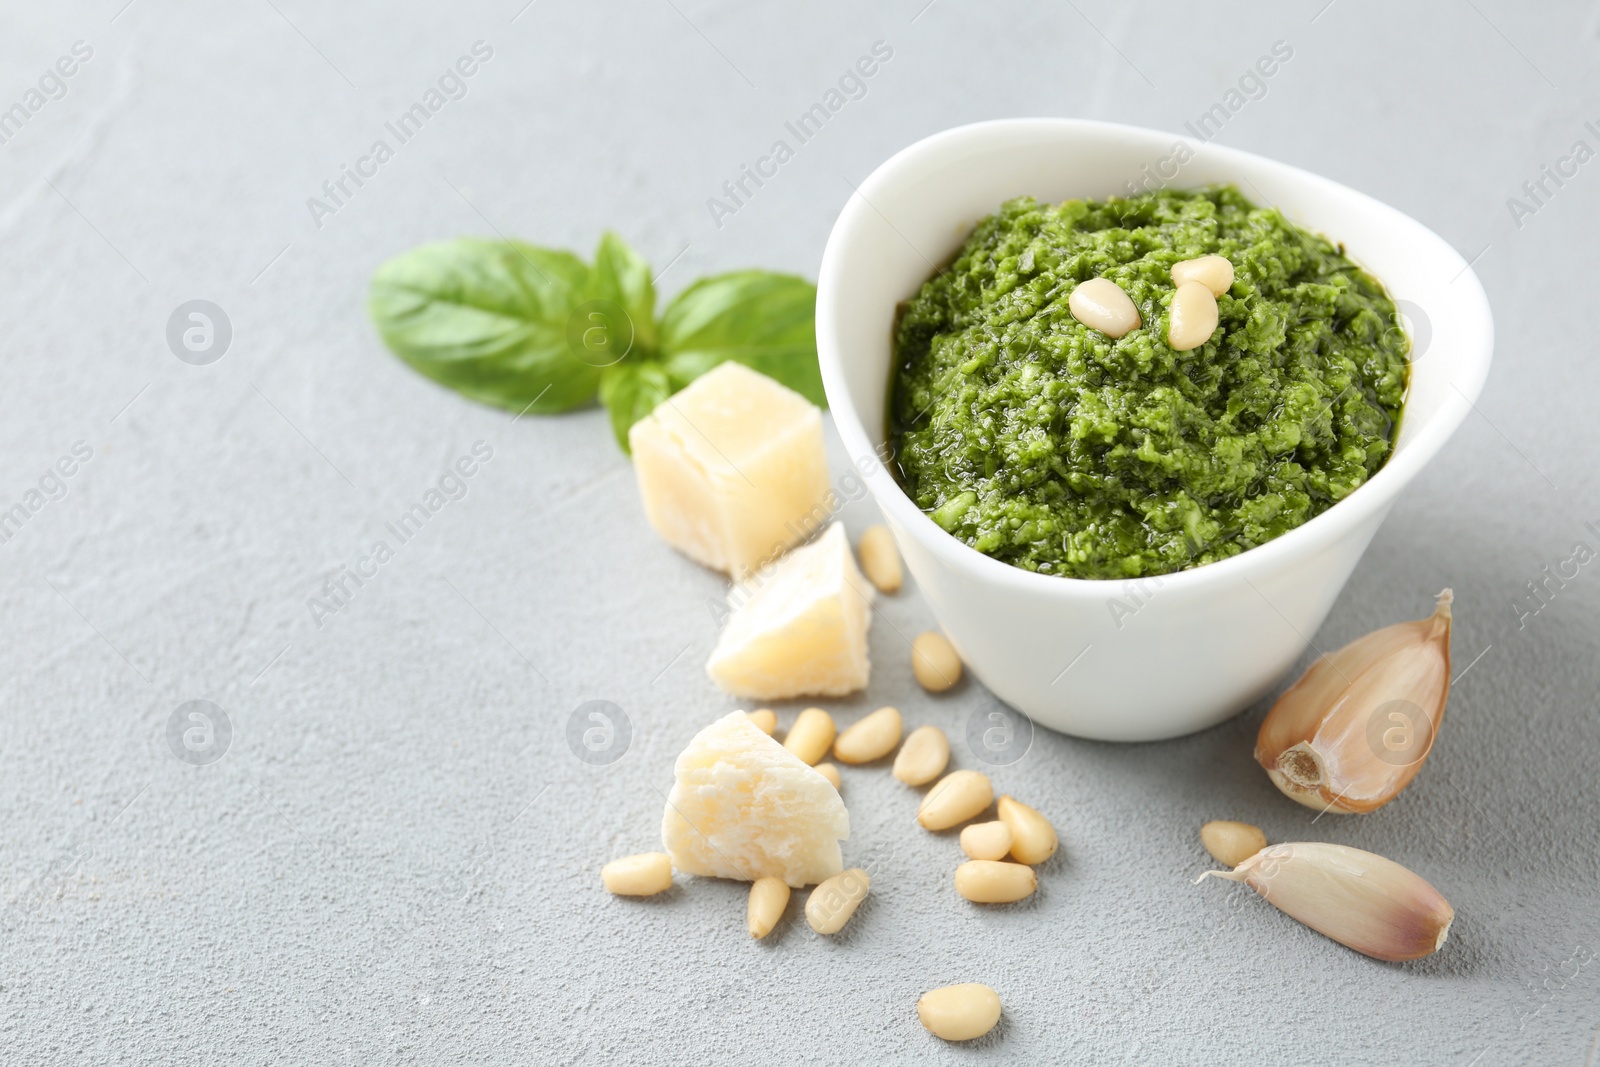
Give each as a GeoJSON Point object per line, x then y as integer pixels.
{"type": "Point", "coordinates": [1358, 725]}
{"type": "Point", "coordinates": [1360, 899]}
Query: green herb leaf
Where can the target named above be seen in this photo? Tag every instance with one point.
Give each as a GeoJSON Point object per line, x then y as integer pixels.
{"type": "Point", "coordinates": [533, 329]}
{"type": "Point", "coordinates": [623, 277]}
{"type": "Point", "coordinates": [489, 319]}
{"type": "Point", "coordinates": [765, 321]}
{"type": "Point", "coordinates": [630, 390]}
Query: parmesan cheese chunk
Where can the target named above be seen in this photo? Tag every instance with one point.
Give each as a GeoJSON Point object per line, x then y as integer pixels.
{"type": "Point", "coordinates": [744, 807]}
{"type": "Point", "coordinates": [732, 469]}
{"type": "Point", "coordinates": [799, 629]}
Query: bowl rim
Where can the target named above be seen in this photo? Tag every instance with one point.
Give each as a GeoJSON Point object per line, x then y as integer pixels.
{"type": "Point", "coordinates": [1374, 495]}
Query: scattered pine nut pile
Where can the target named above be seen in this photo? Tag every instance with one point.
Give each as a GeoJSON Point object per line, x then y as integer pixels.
{"type": "Point", "coordinates": [1001, 853]}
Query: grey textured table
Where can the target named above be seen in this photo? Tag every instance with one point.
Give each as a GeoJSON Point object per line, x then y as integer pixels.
{"type": "Point", "coordinates": [396, 857]}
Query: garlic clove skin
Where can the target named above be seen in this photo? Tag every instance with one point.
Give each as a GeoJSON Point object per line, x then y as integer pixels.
{"type": "Point", "coordinates": [1359, 899]}
{"type": "Point", "coordinates": [1358, 725]}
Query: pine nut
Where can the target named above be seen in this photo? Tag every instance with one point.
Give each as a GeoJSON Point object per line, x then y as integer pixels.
{"type": "Point", "coordinates": [1213, 272]}
{"type": "Point", "coordinates": [957, 797]}
{"type": "Point", "coordinates": [768, 897]}
{"type": "Point", "coordinates": [835, 899]}
{"type": "Point", "coordinates": [643, 875]}
{"type": "Point", "coordinates": [811, 735]}
{"type": "Point", "coordinates": [1033, 839]}
{"type": "Point", "coordinates": [873, 738]}
{"type": "Point", "coordinates": [923, 757]}
{"type": "Point", "coordinates": [993, 882]}
{"type": "Point", "coordinates": [765, 720]}
{"type": "Point", "coordinates": [959, 1012]}
{"type": "Point", "coordinates": [880, 561]}
{"type": "Point", "coordinates": [831, 773]}
{"type": "Point", "coordinates": [1232, 842]}
{"type": "Point", "coordinates": [1100, 304]}
{"type": "Point", "coordinates": [1194, 317]}
{"type": "Point", "coordinates": [986, 840]}
{"type": "Point", "coordinates": [934, 662]}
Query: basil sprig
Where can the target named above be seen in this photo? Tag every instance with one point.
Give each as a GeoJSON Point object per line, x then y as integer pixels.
{"type": "Point", "coordinates": [538, 330]}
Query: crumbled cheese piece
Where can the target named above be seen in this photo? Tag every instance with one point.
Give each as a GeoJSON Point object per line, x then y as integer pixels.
{"type": "Point", "coordinates": [732, 469]}
{"type": "Point", "coordinates": [744, 807]}
{"type": "Point", "coordinates": [800, 629]}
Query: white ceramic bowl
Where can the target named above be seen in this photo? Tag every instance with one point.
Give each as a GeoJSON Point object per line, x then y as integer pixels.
{"type": "Point", "coordinates": [1201, 644]}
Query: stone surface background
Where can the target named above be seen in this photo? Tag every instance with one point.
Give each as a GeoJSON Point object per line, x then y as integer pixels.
{"type": "Point", "coordinates": [396, 858]}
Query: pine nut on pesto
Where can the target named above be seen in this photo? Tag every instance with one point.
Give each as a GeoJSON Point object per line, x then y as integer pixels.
{"type": "Point", "coordinates": [1047, 445]}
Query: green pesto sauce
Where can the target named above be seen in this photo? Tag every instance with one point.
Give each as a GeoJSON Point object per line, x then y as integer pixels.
{"type": "Point", "coordinates": [1045, 444]}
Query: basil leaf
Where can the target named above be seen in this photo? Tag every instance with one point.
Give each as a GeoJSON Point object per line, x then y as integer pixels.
{"type": "Point", "coordinates": [623, 277]}
{"type": "Point", "coordinates": [489, 319]}
{"type": "Point", "coordinates": [630, 390]}
{"type": "Point", "coordinates": [765, 321]}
